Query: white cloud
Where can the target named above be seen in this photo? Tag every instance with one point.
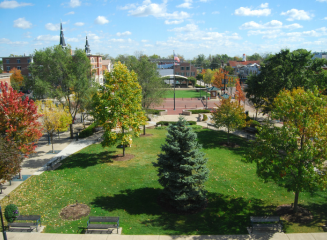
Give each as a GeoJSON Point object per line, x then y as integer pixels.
{"type": "Point", "coordinates": [72, 40]}
{"type": "Point", "coordinates": [322, 0]}
{"type": "Point", "coordinates": [216, 12]}
{"type": "Point", "coordinates": [123, 33]}
{"type": "Point", "coordinates": [186, 4]}
{"type": "Point", "coordinates": [274, 33]}
{"type": "Point", "coordinates": [204, 0]}
{"type": "Point", "coordinates": [74, 3]}
{"type": "Point", "coordinates": [7, 41]}
{"type": "Point", "coordinates": [52, 27]}
{"type": "Point", "coordinates": [325, 18]}
{"type": "Point", "coordinates": [22, 23]}
{"type": "Point", "coordinates": [13, 4]}
{"type": "Point", "coordinates": [188, 28]}
{"type": "Point", "coordinates": [93, 36]}
{"type": "Point", "coordinates": [70, 13]}
{"type": "Point", "coordinates": [47, 38]}
{"type": "Point", "coordinates": [144, 41]}
{"type": "Point", "coordinates": [246, 11]}
{"type": "Point", "coordinates": [117, 40]}
{"type": "Point", "coordinates": [264, 5]}
{"type": "Point", "coordinates": [295, 14]}
{"type": "Point", "coordinates": [157, 10]}
{"type": "Point", "coordinates": [173, 22]}
{"type": "Point", "coordinates": [79, 24]}
{"type": "Point", "coordinates": [101, 20]}
{"type": "Point", "coordinates": [127, 7]}
{"type": "Point", "coordinates": [269, 25]}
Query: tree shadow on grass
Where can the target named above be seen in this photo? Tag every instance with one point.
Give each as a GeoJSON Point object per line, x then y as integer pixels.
{"type": "Point", "coordinates": [84, 160]}
{"type": "Point", "coordinates": [213, 139]}
{"type": "Point", "coordinates": [223, 215]}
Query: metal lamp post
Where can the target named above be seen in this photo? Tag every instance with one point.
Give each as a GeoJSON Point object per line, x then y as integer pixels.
{"type": "Point", "coordinates": [3, 226]}
{"type": "Point", "coordinates": [224, 84]}
{"type": "Point", "coordinates": [207, 98]}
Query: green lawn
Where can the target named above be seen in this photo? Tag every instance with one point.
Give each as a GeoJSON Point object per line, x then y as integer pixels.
{"type": "Point", "coordinates": [130, 190]}
{"type": "Point", "coordinates": [185, 94]}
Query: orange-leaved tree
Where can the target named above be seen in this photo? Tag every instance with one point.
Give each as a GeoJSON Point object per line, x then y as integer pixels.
{"type": "Point", "coordinates": [19, 119]}
{"type": "Point", "coordinates": [239, 94]}
{"type": "Point", "coordinates": [16, 78]}
{"type": "Point", "coordinates": [119, 106]}
{"type": "Point", "coordinates": [218, 77]}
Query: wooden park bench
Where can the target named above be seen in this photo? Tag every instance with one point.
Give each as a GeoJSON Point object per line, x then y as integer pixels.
{"type": "Point", "coordinates": [54, 162]}
{"type": "Point", "coordinates": [251, 130]}
{"type": "Point", "coordinates": [94, 226]}
{"type": "Point", "coordinates": [266, 223]}
{"type": "Point", "coordinates": [30, 222]}
{"type": "Point", "coordinates": [2, 188]}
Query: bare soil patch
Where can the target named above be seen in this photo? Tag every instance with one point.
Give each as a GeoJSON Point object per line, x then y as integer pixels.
{"type": "Point", "coordinates": [301, 216]}
{"type": "Point", "coordinates": [152, 127]}
{"type": "Point", "coordinates": [120, 157]}
{"type": "Point", "coordinates": [75, 211]}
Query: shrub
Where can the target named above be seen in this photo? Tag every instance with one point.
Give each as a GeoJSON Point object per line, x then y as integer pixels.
{"type": "Point", "coordinates": [153, 111]}
{"type": "Point", "coordinates": [199, 86]}
{"type": "Point", "coordinates": [87, 131]}
{"type": "Point", "coordinates": [196, 127]}
{"type": "Point", "coordinates": [205, 117]}
{"type": "Point", "coordinates": [254, 123]}
{"type": "Point", "coordinates": [166, 123]}
{"type": "Point", "coordinates": [199, 111]}
{"type": "Point", "coordinates": [11, 213]}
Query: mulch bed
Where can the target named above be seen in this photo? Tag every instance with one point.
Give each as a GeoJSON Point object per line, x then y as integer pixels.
{"type": "Point", "coordinates": [120, 157]}
{"type": "Point", "coordinates": [229, 145]}
{"type": "Point", "coordinates": [146, 135]}
{"type": "Point", "coordinates": [75, 211]}
{"type": "Point", "coordinates": [301, 216]}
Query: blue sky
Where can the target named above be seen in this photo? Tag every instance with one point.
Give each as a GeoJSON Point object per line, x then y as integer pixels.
{"type": "Point", "coordinates": [190, 27]}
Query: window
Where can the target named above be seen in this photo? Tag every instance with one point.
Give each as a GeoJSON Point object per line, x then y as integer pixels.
{"type": "Point", "coordinates": [18, 60]}
{"type": "Point", "coordinates": [7, 60]}
{"type": "Point", "coordinates": [93, 66]}
{"type": "Point", "coordinates": [100, 65]}
{"type": "Point", "coordinates": [192, 73]}
{"type": "Point", "coordinates": [100, 59]}
{"type": "Point", "coordinates": [8, 68]}
{"type": "Point", "coordinates": [187, 68]}
{"type": "Point", "coordinates": [100, 72]}
{"type": "Point", "coordinates": [28, 60]}
{"type": "Point", "coordinates": [19, 68]}
{"type": "Point", "coordinates": [182, 68]}
{"type": "Point", "coordinates": [187, 73]}
{"type": "Point", "coordinates": [92, 60]}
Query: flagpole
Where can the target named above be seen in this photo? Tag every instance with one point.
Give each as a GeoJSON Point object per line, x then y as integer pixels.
{"type": "Point", "coordinates": [174, 76]}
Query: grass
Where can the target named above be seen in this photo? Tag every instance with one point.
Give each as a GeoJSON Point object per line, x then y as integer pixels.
{"type": "Point", "coordinates": [130, 190]}
{"type": "Point", "coordinates": [185, 94]}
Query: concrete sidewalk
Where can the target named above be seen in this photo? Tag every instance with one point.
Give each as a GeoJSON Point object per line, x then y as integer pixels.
{"type": "Point", "coordinates": [276, 236]}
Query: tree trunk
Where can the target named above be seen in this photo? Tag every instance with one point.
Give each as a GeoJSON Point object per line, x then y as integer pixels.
{"type": "Point", "coordinates": [123, 145]}
{"type": "Point", "coordinates": [143, 129]}
{"type": "Point", "coordinates": [296, 200]}
{"type": "Point", "coordinates": [51, 134]}
{"type": "Point", "coordinates": [71, 131]}
{"type": "Point", "coordinates": [228, 136]}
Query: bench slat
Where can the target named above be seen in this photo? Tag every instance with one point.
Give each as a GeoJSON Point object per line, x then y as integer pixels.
{"type": "Point", "coordinates": [101, 226]}
{"type": "Point", "coordinates": [28, 217]}
{"type": "Point", "coordinates": [21, 224]}
{"type": "Point", "coordinates": [103, 219]}
{"type": "Point", "coordinates": [265, 219]}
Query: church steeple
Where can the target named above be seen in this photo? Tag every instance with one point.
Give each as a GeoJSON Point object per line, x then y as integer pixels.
{"type": "Point", "coordinates": [87, 47]}
{"type": "Point", "coordinates": [62, 38]}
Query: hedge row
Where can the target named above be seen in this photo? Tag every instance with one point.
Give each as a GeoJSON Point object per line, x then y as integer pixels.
{"type": "Point", "coordinates": [87, 131]}
{"type": "Point", "coordinates": [166, 123]}
{"type": "Point", "coordinates": [199, 86]}
{"type": "Point", "coordinates": [153, 111]}
{"type": "Point", "coordinates": [199, 111]}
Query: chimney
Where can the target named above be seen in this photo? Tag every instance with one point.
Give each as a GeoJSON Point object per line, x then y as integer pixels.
{"type": "Point", "coordinates": [244, 58]}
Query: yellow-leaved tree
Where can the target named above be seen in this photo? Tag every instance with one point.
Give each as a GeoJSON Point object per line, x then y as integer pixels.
{"type": "Point", "coordinates": [54, 118]}
{"type": "Point", "coordinates": [119, 106]}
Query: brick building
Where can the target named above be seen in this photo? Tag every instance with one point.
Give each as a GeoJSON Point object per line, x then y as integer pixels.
{"type": "Point", "coordinates": [5, 78]}
{"type": "Point", "coordinates": [21, 63]}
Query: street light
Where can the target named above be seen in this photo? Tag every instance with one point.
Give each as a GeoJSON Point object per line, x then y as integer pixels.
{"type": "Point", "coordinates": [224, 83]}
{"type": "Point", "coordinates": [207, 98]}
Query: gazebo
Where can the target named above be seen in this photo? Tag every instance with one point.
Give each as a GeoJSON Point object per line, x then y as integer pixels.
{"type": "Point", "coordinates": [213, 92]}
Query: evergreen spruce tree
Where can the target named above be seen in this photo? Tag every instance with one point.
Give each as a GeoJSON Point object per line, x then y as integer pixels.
{"type": "Point", "coordinates": [182, 169]}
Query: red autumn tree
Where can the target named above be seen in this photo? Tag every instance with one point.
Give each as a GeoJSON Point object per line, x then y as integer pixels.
{"type": "Point", "coordinates": [19, 119]}
{"type": "Point", "coordinates": [16, 78]}
{"type": "Point", "coordinates": [10, 160]}
{"type": "Point", "coordinates": [239, 94]}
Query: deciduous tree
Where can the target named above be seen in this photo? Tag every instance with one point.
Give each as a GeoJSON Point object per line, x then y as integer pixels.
{"type": "Point", "coordinates": [293, 156]}
{"type": "Point", "coordinates": [118, 105]}
{"type": "Point", "coordinates": [182, 169]}
{"type": "Point", "coordinates": [19, 119]}
{"type": "Point", "coordinates": [229, 115]}
{"type": "Point", "coordinates": [10, 159]}
{"type": "Point", "coordinates": [16, 79]}
{"type": "Point", "coordinates": [240, 96]}
{"type": "Point", "coordinates": [54, 118]}
{"type": "Point", "coordinates": [57, 74]}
